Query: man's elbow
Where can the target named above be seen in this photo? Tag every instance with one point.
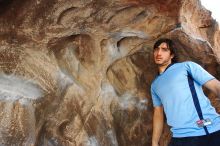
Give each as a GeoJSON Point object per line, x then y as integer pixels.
{"type": "Point", "coordinates": [213, 86]}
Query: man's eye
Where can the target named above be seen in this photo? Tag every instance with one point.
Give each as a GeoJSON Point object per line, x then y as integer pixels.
{"type": "Point", "coordinates": [165, 49]}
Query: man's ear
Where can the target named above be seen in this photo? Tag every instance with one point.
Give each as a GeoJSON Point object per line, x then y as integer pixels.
{"type": "Point", "coordinates": [172, 56]}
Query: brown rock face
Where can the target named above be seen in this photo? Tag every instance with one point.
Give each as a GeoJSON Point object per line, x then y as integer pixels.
{"type": "Point", "coordinates": [78, 72]}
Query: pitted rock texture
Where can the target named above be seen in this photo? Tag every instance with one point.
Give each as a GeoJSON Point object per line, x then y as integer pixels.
{"type": "Point", "coordinates": [78, 72]}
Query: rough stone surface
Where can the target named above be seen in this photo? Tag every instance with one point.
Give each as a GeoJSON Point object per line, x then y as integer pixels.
{"type": "Point", "coordinates": [78, 72]}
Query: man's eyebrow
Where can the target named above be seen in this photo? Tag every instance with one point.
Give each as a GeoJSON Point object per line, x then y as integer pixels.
{"type": "Point", "coordinates": [161, 48]}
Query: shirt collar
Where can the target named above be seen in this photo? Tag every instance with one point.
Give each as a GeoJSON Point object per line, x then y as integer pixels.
{"type": "Point", "coordinates": [166, 68]}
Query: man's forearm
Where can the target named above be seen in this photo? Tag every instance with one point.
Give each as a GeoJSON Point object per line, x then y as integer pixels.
{"type": "Point", "coordinates": [158, 121]}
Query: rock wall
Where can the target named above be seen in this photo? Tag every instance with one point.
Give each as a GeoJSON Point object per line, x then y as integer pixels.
{"type": "Point", "coordinates": [78, 72]}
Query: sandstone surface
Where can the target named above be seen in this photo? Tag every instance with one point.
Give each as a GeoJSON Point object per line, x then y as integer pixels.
{"type": "Point", "coordinates": [78, 72]}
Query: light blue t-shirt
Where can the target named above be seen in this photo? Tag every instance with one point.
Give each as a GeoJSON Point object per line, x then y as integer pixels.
{"type": "Point", "coordinates": [171, 90]}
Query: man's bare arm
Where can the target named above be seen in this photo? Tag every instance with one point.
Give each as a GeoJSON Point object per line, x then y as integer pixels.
{"type": "Point", "coordinates": [214, 86]}
{"type": "Point", "coordinates": [158, 121]}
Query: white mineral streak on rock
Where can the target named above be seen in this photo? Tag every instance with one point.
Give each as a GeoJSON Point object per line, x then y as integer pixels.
{"type": "Point", "coordinates": [14, 88]}
{"type": "Point", "coordinates": [92, 141]}
{"type": "Point", "coordinates": [111, 135]}
{"type": "Point", "coordinates": [127, 100]}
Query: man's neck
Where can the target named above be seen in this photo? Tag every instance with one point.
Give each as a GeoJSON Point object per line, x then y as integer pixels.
{"type": "Point", "coordinates": [162, 68]}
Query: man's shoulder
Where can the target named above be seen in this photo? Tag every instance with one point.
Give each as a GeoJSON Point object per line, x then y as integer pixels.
{"type": "Point", "coordinates": [153, 82]}
{"type": "Point", "coordinates": [189, 63]}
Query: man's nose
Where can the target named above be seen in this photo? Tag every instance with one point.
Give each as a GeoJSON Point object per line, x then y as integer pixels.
{"type": "Point", "coordinates": [159, 52]}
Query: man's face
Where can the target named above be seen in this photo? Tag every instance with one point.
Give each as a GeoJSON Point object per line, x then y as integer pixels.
{"type": "Point", "coordinates": [162, 55]}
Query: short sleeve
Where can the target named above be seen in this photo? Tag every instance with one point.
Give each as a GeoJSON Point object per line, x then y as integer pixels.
{"type": "Point", "coordinates": [156, 99]}
{"type": "Point", "coordinates": [199, 74]}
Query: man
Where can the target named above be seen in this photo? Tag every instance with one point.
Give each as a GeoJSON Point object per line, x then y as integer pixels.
{"type": "Point", "coordinates": [177, 91]}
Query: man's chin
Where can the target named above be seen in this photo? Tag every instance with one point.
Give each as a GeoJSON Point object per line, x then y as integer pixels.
{"type": "Point", "coordinates": [158, 63]}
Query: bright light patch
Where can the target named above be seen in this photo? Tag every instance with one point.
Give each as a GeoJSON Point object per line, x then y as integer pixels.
{"type": "Point", "coordinates": [213, 6]}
